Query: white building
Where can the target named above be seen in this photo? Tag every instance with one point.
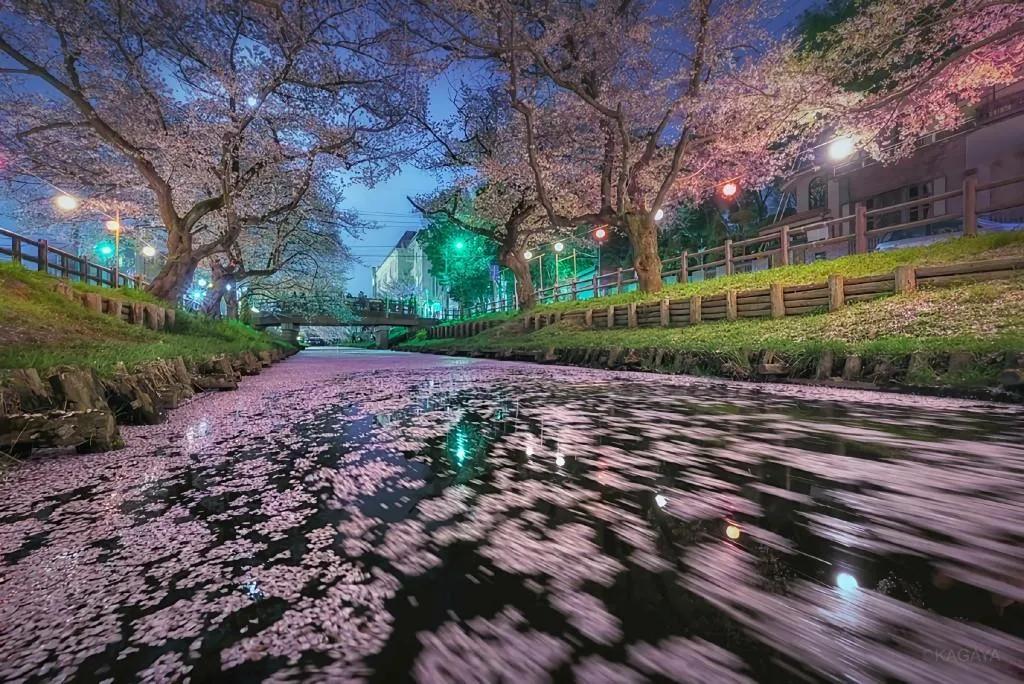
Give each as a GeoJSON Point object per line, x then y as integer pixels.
{"type": "Point", "coordinates": [405, 273]}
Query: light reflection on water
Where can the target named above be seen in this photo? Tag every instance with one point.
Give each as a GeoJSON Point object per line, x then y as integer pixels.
{"type": "Point", "coordinates": [461, 521]}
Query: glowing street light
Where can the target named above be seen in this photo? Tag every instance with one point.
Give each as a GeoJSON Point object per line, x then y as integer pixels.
{"type": "Point", "coordinates": [460, 244]}
{"type": "Point", "coordinates": [527, 255]}
{"type": "Point", "coordinates": [600, 234]}
{"type": "Point", "coordinates": [254, 309]}
{"type": "Point", "coordinates": [660, 214]}
{"type": "Point", "coordinates": [841, 148]}
{"type": "Point", "coordinates": [660, 500]}
{"type": "Point", "coordinates": [730, 189]}
{"type": "Point", "coordinates": [201, 282]}
{"type": "Point", "coordinates": [66, 202]}
{"type": "Point", "coordinates": [559, 246]}
{"type": "Point", "coordinates": [732, 532]}
{"type": "Point", "coordinates": [149, 251]}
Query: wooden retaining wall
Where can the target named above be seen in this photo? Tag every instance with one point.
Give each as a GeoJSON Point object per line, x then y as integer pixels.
{"type": "Point", "coordinates": [774, 302]}
{"type": "Point", "coordinates": [460, 330]}
{"type": "Point", "coordinates": [152, 316]}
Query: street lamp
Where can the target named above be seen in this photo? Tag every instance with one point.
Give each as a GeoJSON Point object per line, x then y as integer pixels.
{"type": "Point", "coordinates": [559, 246]}
{"type": "Point", "coordinates": [730, 189]}
{"type": "Point", "coordinates": [841, 148]}
{"type": "Point", "coordinates": [149, 251]}
{"type": "Point", "coordinates": [114, 226]}
{"type": "Point", "coordinates": [660, 214]}
{"type": "Point", "coordinates": [65, 202]}
{"type": "Point", "coordinates": [527, 255]}
{"type": "Point", "coordinates": [459, 245]}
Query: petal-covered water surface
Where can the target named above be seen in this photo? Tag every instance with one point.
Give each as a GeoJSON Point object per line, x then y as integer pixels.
{"type": "Point", "coordinates": [380, 516]}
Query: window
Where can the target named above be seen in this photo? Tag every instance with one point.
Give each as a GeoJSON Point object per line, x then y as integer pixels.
{"type": "Point", "coordinates": [817, 193]}
{"type": "Point", "coordinates": [898, 196]}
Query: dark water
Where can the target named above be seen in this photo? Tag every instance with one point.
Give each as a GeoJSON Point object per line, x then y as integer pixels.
{"type": "Point", "coordinates": [386, 517]}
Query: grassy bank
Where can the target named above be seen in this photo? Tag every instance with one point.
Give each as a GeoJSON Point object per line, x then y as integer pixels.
{"type": "Point", "coordinates": [40, 329]}
{"type": "Point", "coordinates": [985, 319]}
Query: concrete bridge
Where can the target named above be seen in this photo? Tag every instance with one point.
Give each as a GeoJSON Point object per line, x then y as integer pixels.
{"type": "Point", "coordinates": [361, 312]}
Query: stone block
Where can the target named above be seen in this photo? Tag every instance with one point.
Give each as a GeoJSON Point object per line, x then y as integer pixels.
{"type": "Point", "coordinates": [77, 389]}
{"type": "Point", "coordinates": [87, 431]}
{"type": "Point", "coordinates": [25, 391]}
{"type": "Point", "coordinates": [852, 367]}
{"type": "Point", "coordinates": [826, 362]}
{"type": "Point", "coordinates": [959, 362]}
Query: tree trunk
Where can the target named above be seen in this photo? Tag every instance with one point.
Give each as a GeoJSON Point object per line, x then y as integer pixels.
{"type": "Point", "coordinates": [524, 281]}
{"type": "Point", "coordinates": [171, 280]}
{"type": "Point", "coordinates": [179, 268]}
{"type": "Point", "coordinates": [231, 300]}
{"type": "Point", "coordinates": [643, 236]}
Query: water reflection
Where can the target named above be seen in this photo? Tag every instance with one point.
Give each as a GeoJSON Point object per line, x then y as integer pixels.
{"type": "Point", "coordinates": [472, 521]}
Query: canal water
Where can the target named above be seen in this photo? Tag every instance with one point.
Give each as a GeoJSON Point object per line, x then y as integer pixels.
{"type": "Point", "coordinates": [354, 515]}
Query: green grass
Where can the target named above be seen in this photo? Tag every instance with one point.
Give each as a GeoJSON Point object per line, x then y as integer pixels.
{"type": "Point", "coordinates": [986, 319]}
{"type": "Point", "coordinates": [45, 281]}
{"type": "Point", "coordinates": [40, 329]}
{"type": "Point", "coordinates": [963, 249]}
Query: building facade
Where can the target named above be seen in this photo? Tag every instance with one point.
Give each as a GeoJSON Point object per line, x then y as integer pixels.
{"type": "Point", "coordinates": [405, 273]}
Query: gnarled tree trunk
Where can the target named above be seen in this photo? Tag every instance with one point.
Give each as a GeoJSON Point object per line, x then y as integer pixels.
{"type": "Point", "coordinates": [525, 293]}
{"type": "Point", "coordinates": [643, 236]}
{"type": "Point", "coordinates": [169, 283]}
{"type": "Point", "coordinates": [179, 267]}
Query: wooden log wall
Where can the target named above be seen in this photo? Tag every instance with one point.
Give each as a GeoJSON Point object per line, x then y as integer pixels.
{"type": "Point", "coordinates": [773, 302]}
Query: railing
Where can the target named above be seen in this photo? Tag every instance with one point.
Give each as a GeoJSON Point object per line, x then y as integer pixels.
{"type": "Point", "coordinates": [328, 304]}
{"type": "Point", "coordinates": [40, 256]}
{"type": "Point", "coordinates": [844, 235]}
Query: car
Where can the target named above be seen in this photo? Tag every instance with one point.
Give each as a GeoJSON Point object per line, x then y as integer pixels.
{"type": "Point", "coordinates": [315, 341]}
{"type": "Point", "coordinates": [931, 233]}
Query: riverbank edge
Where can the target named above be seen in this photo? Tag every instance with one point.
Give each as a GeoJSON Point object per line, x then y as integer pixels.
{"type": "Point", "coordinates": [74, 407]}
{"type": "Point", "coordinates": [771, 367]}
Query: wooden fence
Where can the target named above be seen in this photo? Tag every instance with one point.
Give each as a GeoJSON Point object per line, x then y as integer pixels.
{"type": "Point", "coordinates": [851, 234]}
{"type": "Point", "coordinates": [37, 255]}
{"type": "Point", "coordinates": [776, 301]}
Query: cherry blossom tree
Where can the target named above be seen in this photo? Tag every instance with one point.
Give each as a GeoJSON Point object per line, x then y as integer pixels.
{"type": "Point", "coordinates": [626, 109]}
{"type": "Point", "coordinates": [490, 191]}
{"type": "Point", "coordinates": [901, 69]}
{"type": "Point", "coordinates": [302, 251]}
{"type": "Point", "coordinates": [209, 118]}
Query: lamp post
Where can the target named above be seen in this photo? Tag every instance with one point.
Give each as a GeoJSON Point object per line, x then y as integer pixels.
{"type": "Point", "coordinates": [114, 226]}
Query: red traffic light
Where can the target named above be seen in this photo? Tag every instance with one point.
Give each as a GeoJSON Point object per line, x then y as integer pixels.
{"type": "Point", "coordinates": [600, 233]}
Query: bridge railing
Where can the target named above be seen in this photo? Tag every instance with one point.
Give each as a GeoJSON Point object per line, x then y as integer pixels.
{"type": "Point", "coordinates": [38, 255]}
{"type": "Point", "coordinates": [328, 304]}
